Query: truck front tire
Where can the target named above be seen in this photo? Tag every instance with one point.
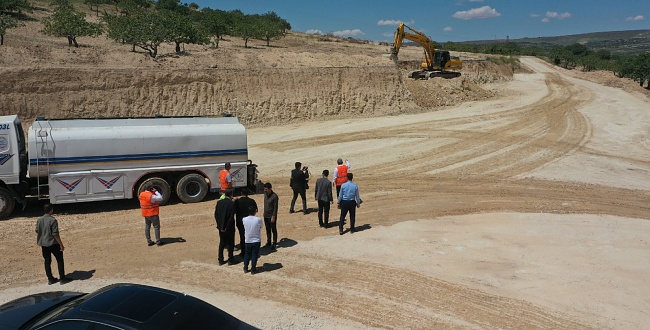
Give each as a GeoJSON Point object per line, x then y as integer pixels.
{"type": "Point", "coordinates": [7, 203]}
{"type": "Point", "coordinates": [192, 188]}
{"type": "Point", "coordinates": [161, 185]}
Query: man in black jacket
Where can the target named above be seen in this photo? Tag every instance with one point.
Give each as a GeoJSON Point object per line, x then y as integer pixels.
{"type": "Point", "coordinates": [298, 184]}
{"type": "Point", "coordinates": [323, 194]}
{"type": "Point", "coordinates": [242, 206]}
{"type": "Point", "coordinates": [224, 214]}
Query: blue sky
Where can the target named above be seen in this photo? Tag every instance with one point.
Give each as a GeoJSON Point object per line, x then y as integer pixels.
{"type": "Point", "coordinates": [453, 20]}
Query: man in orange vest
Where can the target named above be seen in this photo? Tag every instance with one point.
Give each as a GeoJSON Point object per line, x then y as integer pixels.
{"type": "Point", "coordinates": [340, 174]}
{"type": "Point", "coordinates": [225, 180]}
{"type": "Point", "coordinates": [150, 199]}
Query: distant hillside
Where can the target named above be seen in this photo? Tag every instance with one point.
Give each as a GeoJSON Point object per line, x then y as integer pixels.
{"type": "Point", "coordinates": [632, 41]}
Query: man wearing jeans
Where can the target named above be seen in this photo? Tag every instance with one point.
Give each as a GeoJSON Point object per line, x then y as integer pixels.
{"type": "Point", "coordinates": [348, 201]}
{"type": "Point", "coordinates": [150, 199]}
{"type": "Point", "coordinates": [47, 237]}
{"type": "Point", "coordinates": [270, 215]}
{"type": "Point", "coordinates": [253, 239]}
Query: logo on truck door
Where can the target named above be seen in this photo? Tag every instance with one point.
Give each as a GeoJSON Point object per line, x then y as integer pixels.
{"type": "Point", "coordinates": [69, 186]}
{"type": "Point", "coordinates": [237, 175]}
{"type": "Point", "coordinates": [4, 158]}
{"type": "Point", "coordinates": [109, 184]}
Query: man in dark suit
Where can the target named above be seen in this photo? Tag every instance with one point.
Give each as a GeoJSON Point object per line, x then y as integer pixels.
{"type": "Point", "coordinates": [298, 184]}
{"type": "Point", "coordinates": [224, 214]}
{"type": "Point", "coordinates": [323, 194]}
{"type": "Point", "coordinates": [242, 210]}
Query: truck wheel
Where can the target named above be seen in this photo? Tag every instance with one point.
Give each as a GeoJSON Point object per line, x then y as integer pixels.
{"type": "Point", "coordinates": [192, 188]}
{"type": "Point", "coordinates": [7, 203]}
{"type": "Point", "coordinates": [161, 185]}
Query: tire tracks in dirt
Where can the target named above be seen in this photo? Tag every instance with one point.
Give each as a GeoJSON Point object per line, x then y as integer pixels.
{"type": "Point", "coordinates": [379, 295]}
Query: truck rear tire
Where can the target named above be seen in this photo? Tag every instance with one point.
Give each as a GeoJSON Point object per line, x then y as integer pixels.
{"type": "Point", "coordinates": [192, 188]}
{"type": "Point", "coordinates": [7, 203]}
{"type": "Point", "coordinates": [161, 185]}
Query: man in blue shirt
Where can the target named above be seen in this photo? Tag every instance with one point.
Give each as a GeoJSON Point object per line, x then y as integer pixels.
{"type": "Point", "coordinates": [348, 201]}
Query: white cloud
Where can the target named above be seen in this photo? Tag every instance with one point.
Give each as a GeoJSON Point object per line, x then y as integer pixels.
{"type": "Point", "coordinates": [556, 15]}
{"type": "Point", "coordinates": [348, 33]}
{"type": "Point", "coordinates": [483, 12]}
{"type": "Point", "coordinates": [393, 22]}
{"type": "Point", "coordinates": [313, 31]}
{"type": "Point", "coordinates": [448, 29]}
{"type": "Point", "coordinates": [475, 0]}
{"type": "Point", "coordinates": [389, 35]}
{"type": "Point", "coordinates": [534, 15]}
{"type": "Point", "coordinates": [545, 20]}
{"type": "Point", "coordinates": [635, 18]}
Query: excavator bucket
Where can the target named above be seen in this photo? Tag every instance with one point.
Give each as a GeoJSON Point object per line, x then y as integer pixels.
{"type": "Point", "coordinates": [393, 54]}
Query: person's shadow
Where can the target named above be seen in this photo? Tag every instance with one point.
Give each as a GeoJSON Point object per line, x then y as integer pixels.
{"type": "Point", "coordinates": [267, 267]}
{"type": "Point", "coordinates": [170, 240]}
{"type": "Point", "coordinates": [81, 275]}
{"type": "Point", "coordinates": [363, 227]}
{"type": "Point", "coordinates": [283, 243]}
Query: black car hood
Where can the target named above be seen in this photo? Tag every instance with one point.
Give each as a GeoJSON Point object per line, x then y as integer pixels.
{"type": "Point", "coordinates": [17, 312]}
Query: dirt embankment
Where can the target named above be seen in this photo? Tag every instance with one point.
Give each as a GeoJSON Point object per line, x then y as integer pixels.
{"type": "Point", "coordinates": [300, 77]}
{"type": "Point", "coordinates": [255, 96]}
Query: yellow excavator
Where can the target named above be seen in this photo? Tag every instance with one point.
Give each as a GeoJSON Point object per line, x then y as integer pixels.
{"type": "Point", "coordinates": [437, 63]}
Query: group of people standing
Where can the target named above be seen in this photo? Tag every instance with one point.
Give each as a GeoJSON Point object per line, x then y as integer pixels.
{"type": "Point", "coordinates": [347, 193]}
{"type": "Point", "coordinates": [241, 213]}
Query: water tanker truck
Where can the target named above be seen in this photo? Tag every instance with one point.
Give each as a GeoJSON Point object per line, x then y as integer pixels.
{"type": "Point", "coordinates": [83, 160]}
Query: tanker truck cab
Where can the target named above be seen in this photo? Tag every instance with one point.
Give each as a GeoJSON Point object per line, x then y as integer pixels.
{"type": "Point", "coordinates": [13, 163]}
{"type": "Point", "coordinates": [83, 160]}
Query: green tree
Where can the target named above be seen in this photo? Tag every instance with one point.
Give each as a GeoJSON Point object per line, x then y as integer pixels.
{"type": "Point", "coordinates": [590, 62]}
{"type": "Point", "coordinates": [578, 50]}
{"type": "Point", "coordinates": [143, 29]}
{"type": "Point", "coordinates": [246, 27]}
{"type": "Point", "coordinates": [125, 7]}
{"type": "Point", "coordinates": [14, 6]}
{"type": "Point", "coordinates": [180, 29]}
{"type": "Point", "coordinates": [6, 22]}
{"type": "Point", "coordinates": [272, 27]}
{"type": "Point", "coordinates": [66, 22]}
{"type": "Point", "coordinates": [215, 23]}
{"type": "Point", "coordinates": [94, 5]}
{"type": "Point", "coordinates": [641, 69]}
{"type": "Point", "coordinates": [10, 12]}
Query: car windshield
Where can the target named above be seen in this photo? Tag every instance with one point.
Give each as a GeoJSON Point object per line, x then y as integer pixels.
{"type": "Point", "coordinates": [56, 311]}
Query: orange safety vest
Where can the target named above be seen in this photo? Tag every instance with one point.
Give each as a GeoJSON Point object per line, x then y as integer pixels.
{"type": "Point", "coordinates": [149, 209]}
{"type": "Point", "coordinates": [224, 181]}
{"type": "Point", "coordinates": [342, 174]}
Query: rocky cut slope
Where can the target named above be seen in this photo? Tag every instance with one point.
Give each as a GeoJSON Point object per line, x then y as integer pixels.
{"type": "Point", "coordinates": [299, 77]}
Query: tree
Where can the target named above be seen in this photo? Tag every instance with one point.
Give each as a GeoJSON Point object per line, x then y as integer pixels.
{"type": "Point", "coordinates": [215, 23]}
{"type": "Point", "coordinates": [10, 10]}
{"type": "Point", "coordinates": [590, 62]}
{"type": "Point", "coordinates": [6, 22]}
{"type": "Point", "coordinates": [94, 5]}
{"type": "Point", "coordinates": [641, 69]}
{"type": "Point", "coordinates": [578, 50]}
{"type": "Point", "coordinates": [246, 27]}
{"type": "Point", "coordinates": [14, 6]}
{"type": "Point", "coordinates": [66, 22]}
{"type": "Point", "coordinates": [272, 27]}
{"type": "Point", "coordinates": [180, 29]}
{"type": "Point", "coordinates": [143, 29]}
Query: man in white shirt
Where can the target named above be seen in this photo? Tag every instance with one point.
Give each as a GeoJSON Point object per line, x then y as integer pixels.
{"type": "Point", "coordinates": [253, 239]}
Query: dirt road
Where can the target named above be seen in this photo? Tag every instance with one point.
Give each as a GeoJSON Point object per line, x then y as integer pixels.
{"type": "Point", "coordinates": [526, 211]}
